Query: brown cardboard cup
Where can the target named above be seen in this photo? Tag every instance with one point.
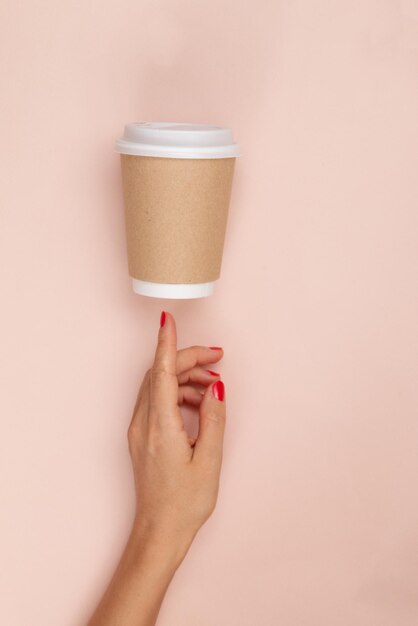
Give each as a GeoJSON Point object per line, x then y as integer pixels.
{"type": "Point", "coordinates": [177, 181]}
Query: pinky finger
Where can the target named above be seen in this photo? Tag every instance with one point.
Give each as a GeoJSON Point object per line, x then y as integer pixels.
{"type": "Point", "coordinates": [189, 395]}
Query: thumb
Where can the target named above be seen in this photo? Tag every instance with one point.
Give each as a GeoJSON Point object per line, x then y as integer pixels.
{"type": "Point", "coordinates": [212, 416]}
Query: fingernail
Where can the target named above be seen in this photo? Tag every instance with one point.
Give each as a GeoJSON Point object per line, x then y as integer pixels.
{"type": "Point", "coordinates": [213, 373]}
{"type": "Point", "coordinates": [162, 319]}
{"type": "Point", "coordinates": [219, 390]}
{"type": "Point", "coordinates": [215, 348]}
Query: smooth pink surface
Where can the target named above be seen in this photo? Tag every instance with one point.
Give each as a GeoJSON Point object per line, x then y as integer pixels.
{"type": "Point", "coordinates": [317, 307]}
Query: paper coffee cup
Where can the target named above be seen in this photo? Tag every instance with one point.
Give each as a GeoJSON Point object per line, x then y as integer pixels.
{"type": "Point", "coordinates": [177, 181]}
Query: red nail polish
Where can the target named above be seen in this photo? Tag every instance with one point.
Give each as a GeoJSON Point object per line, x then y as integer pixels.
{"type": "Point", "coordinates": [213, 373]}
{"type": "Point", "coordinates": [162, 319]}
{"type": "Point", "coordinates": [215, 348]}
{"type": "Point", "coordinates": [219, 390]}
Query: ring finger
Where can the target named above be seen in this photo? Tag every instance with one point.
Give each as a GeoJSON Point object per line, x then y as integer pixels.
{"type": "Point", "coordinates": [189, 395]}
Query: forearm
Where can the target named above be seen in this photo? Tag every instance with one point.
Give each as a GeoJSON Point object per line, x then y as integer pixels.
{"type": "Point", "coordinates": [137, 589]}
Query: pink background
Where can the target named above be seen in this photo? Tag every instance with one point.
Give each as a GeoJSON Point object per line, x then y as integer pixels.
{"type": "Point", "coordinates": [317, 307]}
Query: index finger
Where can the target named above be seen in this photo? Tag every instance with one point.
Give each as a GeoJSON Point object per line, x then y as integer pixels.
{"type": "Point", "coordinates": [187, 358]}
{"type": "Point", "coordinates": [164, 382]}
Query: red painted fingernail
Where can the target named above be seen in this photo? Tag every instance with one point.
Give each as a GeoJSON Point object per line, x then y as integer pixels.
{"type": "Point", "coordinates": [162, 319]}
{"type": "Point", "coordinates": [219, 390]}
{"type": "Point", "coordinates": [213, 373]}
{"type": "Point", "coordinates": [215, 348]}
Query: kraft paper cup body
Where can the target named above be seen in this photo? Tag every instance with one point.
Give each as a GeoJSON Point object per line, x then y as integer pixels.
{"type": "Point", "coordinates": [177, 181]}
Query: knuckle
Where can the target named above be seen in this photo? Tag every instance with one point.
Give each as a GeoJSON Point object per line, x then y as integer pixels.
{"type": "Point", "coordinates": [159, 371]}
{"type": "Point", "coordinates": [208, 505]}
{"type": "Point", "coordinates": [195, 350]}
{"type": "Point", "coordinates": [131, 432]}
{"type": "Point", "coordinates": [159, 379]}
{"type": "Point", "coordinates": [133, 438]}
{"type": "Point", "coordinates": [134, 431]}
{"type": "Point", "coordinates": [213, 416]}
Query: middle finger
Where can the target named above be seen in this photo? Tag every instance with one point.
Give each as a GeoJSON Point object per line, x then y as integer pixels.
{"type": "Point", "coordinates": [198, 375]}
{"type": "Point", "coordinates": [187, 358]}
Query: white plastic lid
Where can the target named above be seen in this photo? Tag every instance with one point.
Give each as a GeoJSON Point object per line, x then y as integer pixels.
{"type": "Point", "coordinates": [177, 140]}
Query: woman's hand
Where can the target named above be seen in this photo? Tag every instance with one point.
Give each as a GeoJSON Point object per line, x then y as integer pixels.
{"type": "Point", "coordinates": [176, 478]}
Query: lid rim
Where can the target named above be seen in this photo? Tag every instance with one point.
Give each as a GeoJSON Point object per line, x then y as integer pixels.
{"type": "Point", "coordinates": [159, 151]}
{"type": "Point", "coordinates": [163, 139]}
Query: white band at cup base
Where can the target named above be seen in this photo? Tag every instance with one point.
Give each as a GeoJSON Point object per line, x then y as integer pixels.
{"type": "Point", "coordinates": [172, 290]}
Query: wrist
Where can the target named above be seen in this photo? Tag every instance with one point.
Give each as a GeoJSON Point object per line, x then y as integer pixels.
{"type": "Point", "coordinates": [165, 547]}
